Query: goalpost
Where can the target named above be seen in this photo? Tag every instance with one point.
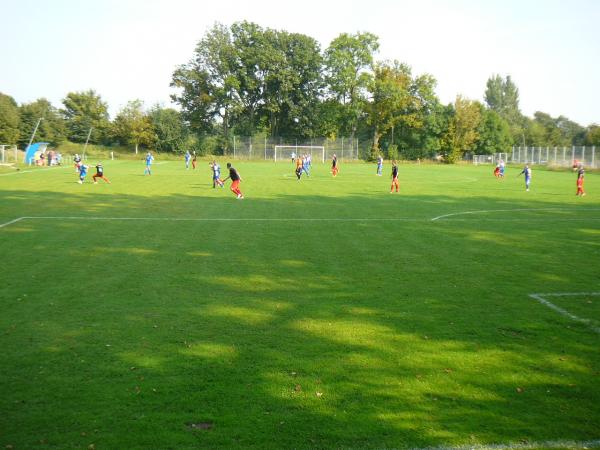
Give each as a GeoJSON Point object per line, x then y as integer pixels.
{"type": "Point", "coordinates": [285, 151]}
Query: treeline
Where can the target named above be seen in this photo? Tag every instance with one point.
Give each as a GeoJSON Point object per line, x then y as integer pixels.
{"type": "Point", "coordinates": [246, 80]}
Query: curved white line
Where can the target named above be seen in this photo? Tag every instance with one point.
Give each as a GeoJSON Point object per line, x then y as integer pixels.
{"type": "Point", "coordinates": [483, 211]}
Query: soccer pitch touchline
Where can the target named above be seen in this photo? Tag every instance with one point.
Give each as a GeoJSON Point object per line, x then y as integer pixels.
{"type": "Point", "coordinates": [36, 171]}
{"type": "Point", "coordinates": [213, 219]}
{"type": "Point", "coordinates": [522, 446]}
{"type": "Point", "coordinates": [544, 301]}
{"type": "Point", "coordinates": [483, 211]}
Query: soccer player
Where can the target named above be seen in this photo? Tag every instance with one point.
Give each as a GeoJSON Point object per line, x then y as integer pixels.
{"type": "Point", "coordinates": [293, 157]}
{"type": "Point", "coordinates": [187, 157]}
{"type": "Point", "coordinates": [394, 177]}
{"type": "Point", "coordinates": [77, 162]}
{"type": "Point", "coordinates": [497, 171]}
{"type": "Point", "coordinates": [306, 165]}
{"type": "Point", "coordinates": [298, 167]}
{"type": "Point", "coordinates": [580, 177]}
{"type": "Point", "coordinates": [527, 171]}
{"type": "Point", "coordinates": [216, 168]}
{"type": "Point", "coordinates": [99, 174]}
{"type": "Point", "coordinates": [379, 165]}
{"type": "Point", "coordinates": [334, 167]}
{"type": "Point", "coordinates": [149, 159]}
{"type": "Point", "coordinates": [501, 174]}
{"type": "Point", "coordinates": [82, 173]}
{"type": "Point", "coordinates": [235, 181]}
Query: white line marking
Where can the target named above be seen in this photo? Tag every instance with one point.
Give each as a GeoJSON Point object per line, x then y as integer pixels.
{"type": "Point", "coordinates": [483, 211]}
{"type": "Point", "coordinates": [12, 221]}
{"type": "Point", "coordinates": [33, 170]}
{"type": "Point", "coordinates": [542, 299]}
{"type": "Point", "coordinates": [522, 446]}
{"type": "Point", "coordinates": [212, 219]}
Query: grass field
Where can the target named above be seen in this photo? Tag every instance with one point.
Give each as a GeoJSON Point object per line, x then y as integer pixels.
{"type": "Point", "coordinates": [157, 312]}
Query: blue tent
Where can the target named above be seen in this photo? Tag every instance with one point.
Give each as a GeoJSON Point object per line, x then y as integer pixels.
{"type": "Point", "coordinates": [33, 149]}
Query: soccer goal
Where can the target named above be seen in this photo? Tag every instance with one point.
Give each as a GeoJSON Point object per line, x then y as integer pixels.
{"type": "Point", "coordinates": [483, 159]}
{"type": "Point", "coordinates": [283, 152]}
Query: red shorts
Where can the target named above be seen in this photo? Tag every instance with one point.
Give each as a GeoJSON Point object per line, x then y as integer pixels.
{"type": "Point", "coordinates": [235, 185]}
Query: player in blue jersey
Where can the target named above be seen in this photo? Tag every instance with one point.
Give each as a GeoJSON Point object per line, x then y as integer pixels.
{"type": "Point", "coordinates": [187, 157]}
{"type": "Point", "coordinates": [216, 168]}
{"type": "Point", "coordinates": [306, 165]}
{"type": "Point", "coordinates": [379, 165]}
{"type": "Point", "coordinates": [82, 173]}
{"type": "Point", "coordinates": [149, 160]}
{"type": "Point", "coordinates": [527, 171]}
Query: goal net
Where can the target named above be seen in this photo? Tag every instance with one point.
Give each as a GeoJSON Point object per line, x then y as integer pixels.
{"type": "Point", "coordinates": [287, 152]}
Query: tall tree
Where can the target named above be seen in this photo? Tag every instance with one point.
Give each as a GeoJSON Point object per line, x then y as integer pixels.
{"type": "Point", "coordinates": [52, 125]}
{"type": "Point", "coordinates": [9, 120]}
{"type": "Point", "coordinates": [133, 126]}
{"type": "Point", "coordinates": [207, 84]}
{"type": "Point", "coordinates": [494, 133]}
{"type": "Point", "coordinates": [348, 66]}
{"type": "Point", "coordinates": [169, 128]}
{"type": "Point", "coordinates": [592, 135]}
{"type": "Point", "coordinates": [390, 100]}
{"type": "Point", "coordinates": [502, 96]}
{"type": "Point", "coordinates": [85, 110]}
{"type": "Point", "coordinates": [463, 128]}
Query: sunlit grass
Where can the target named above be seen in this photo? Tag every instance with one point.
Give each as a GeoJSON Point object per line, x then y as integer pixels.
{"type": "Point", "coordinates": [295, 333]}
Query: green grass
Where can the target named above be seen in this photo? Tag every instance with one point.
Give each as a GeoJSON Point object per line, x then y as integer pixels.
{"type": "Point", "coordinates": [296, 333]}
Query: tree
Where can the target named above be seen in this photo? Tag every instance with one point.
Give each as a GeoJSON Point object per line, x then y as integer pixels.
{"type": "Point", "coordinates": [494, 133]}
{"type": "Point", "coordinates": [592, 136]}
{"type": "Point", "coordinates": [85, 110]}
{"type": "Point", "coordinates": [502, 96]}
{"type": "Point", "coordinates": [169, 129]}
{"type": "Point", "coordinates": [9, 120]}
{"type": "Point", "coordinates": [348, 64]}
{"type": "Point", "coordinates": [463, 128]}
{"type": "Point", "coordinates": [390, 100]}
{"type": "Point", "coordinates": [51, 128]}
{"type": "Point", "coordinates": [132, 126]}
{"type": "Point", "coordinates": [208, 83]}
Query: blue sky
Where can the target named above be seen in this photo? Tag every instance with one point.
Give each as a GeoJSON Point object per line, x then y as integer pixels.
{"type": "Point", "coordinates": [128, 49]}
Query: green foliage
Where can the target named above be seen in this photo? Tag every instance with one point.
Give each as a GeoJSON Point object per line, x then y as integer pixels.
{"type": "Point", "coordinates": [392, 152]}
{"type": "Point", "coordinates": [85, 110]}
{"type": "Point", "coordinates": [592, 136]}
{"type": "Point", "coordinates": [348, 65]}
{"type": "Point", "coordinates": [169, 129]}
{"type": "Point", "coordinates": [462, 131]}
{"type": "Point", "coordinates": [133, 126]}
{"type": "Point", "coordinates": [494, 134]}
{"type": "Point", "coordinates": [51, 129]}
{"type": "Point", "coordinates": [9, 120]}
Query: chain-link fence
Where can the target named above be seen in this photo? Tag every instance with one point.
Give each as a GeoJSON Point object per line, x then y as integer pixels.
{"type": "Point", "coordinates": [557, 156]}
{"type": "Point", "coordinates": [9, 154]}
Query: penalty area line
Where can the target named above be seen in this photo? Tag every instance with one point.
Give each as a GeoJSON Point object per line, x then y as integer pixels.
{"type": "Point", "coordinates": [542, 298]}
{"type": "Point", "coordinates": [484, 211]}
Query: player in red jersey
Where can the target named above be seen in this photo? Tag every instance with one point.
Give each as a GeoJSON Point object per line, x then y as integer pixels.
{"type": "Point", "coordinates": [235, 181]}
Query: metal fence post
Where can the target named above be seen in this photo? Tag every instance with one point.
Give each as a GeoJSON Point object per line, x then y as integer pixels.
{"type": "Point", "coordinates": [554, 155]}
{"type": "Point", "coordinates": [573, 154]}
{"type": "Point", "coordinates": [583, 155]}
{"type": "Point", "coordinates": [593, 154]}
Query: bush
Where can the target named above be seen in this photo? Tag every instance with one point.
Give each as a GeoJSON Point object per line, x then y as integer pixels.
{"type": "Point", "coordinates": [392, 152]}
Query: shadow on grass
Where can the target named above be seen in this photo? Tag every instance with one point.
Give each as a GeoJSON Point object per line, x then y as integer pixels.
{"type": "Point", "coordinates": [293, 334]}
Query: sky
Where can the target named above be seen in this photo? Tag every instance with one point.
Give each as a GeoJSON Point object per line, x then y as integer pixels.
{"type": "Point", "coordinates": [128, 49]}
